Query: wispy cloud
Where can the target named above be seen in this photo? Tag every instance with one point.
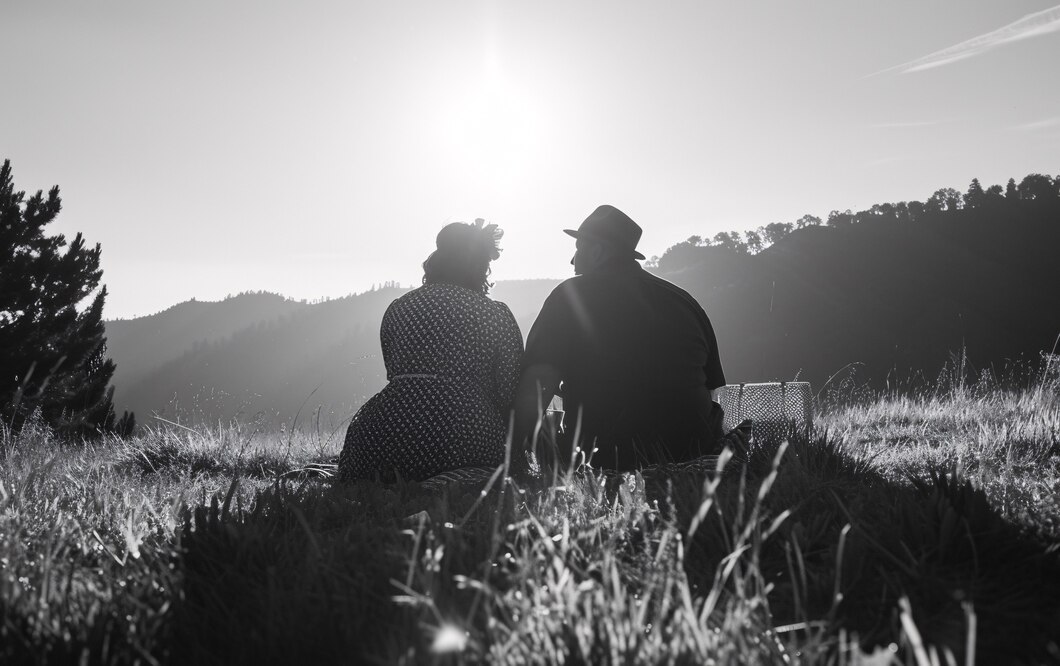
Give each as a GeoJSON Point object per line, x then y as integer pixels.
{"type": "Point", "coordinates": [1047, 123]}
{"type": "Point", "coordinates": [1032, 25]}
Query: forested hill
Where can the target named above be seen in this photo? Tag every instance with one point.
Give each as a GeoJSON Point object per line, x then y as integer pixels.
{"type": "Point", "coordinates": [260, 356]}
{"type": "Point", "coordinates": [897, 289]}
{"type": "Point", "coordinates": [144, 343]}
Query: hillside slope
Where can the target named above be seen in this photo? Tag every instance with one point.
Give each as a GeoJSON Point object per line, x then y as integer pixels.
{"type": "Point", "coordinates": [290, 360]}
{"type": "Point", "coordinates": [896, 298]}
{"type": "Point", "coordinates": [140, 345]}
{"type": "Point", "coordinates": [896, 294]}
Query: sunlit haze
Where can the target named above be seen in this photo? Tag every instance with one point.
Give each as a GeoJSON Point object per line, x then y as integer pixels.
{"type": "Point", "coordinates": [315, 148]}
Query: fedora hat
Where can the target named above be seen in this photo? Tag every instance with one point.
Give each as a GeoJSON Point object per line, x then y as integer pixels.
{"type": "Point", "coordinates": [608, 224]}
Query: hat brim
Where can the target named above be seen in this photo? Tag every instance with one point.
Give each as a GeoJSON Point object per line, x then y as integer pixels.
{"type": "Point", "coordinates": [577, 234]}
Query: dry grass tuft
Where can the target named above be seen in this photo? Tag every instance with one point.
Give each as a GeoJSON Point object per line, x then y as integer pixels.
{"type": "Point", "coordinates": [915, 528]}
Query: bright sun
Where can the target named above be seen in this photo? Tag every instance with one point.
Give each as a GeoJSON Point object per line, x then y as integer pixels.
{"type": "Point", "coordinates": [492, 132]}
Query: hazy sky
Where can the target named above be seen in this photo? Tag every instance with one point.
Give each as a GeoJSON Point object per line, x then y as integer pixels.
{"type": "Point", "coordinates": [314, 148]}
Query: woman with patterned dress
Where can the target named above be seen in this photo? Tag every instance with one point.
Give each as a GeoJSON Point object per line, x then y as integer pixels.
{"type": "Point", "coordinates": [452, 359]}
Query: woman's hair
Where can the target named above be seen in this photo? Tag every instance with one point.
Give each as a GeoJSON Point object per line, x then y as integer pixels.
{"type": "Point", "coordinates": [463, 256]}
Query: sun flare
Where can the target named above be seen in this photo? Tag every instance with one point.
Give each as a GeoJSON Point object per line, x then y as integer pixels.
{"type": "Point", "coordinates": [493, 132]}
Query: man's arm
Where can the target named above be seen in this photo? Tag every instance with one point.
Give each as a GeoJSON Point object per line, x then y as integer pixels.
{"type": "Point", "coordinates": [537, 386]}
{"type": "Point", "coordinates": [548, 349]}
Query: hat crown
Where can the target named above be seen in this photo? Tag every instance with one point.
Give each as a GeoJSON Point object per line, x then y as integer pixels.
{"type": "Point", "coordinates": [610, 225]}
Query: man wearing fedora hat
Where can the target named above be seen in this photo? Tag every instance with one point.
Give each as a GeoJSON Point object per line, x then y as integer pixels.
{"type": "Point", "coordinates": [634, 357]}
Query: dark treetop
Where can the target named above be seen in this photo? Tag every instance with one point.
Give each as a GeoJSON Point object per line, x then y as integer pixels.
{"type": "Point", "coordinates": [52, 357]}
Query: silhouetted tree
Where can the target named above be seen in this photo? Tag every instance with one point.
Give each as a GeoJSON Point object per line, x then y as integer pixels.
{"type": "Point", "coordinates": [730, 240]}
{"type": "Point", "coordinates": [840, 219]}
{"type": "Point", "coordinates": [807, 221]}
{"type": "Point", "coordinates": [774, 231]}
{"type": "Point", "coordinates": [695, 240]}
{"type": "Point", "coordinates": [870, 215]}
{"type": "Point", "coordinates": [1035, 186]}
{"type": "Point", "coordinates": [901, 211]}
{"type": "Point", "coordinates": [975, 195]}
{"type": "Point", "coordinates": [677, 257]}
{"type": "Point", "coordinates": [52, 358]}
{"type": "Point", "coordinates": [916, 210]}
{"type": "Point", "coordinates": [994, 194]}
{"type": "Point", "coordinates": [753, 240]}
{"type": "Point", "coordinates": [1011, 191]}
{"type": "Point", "coordinates": [945, 199]}
{"type": "Point", "coordinates": [882, 210]}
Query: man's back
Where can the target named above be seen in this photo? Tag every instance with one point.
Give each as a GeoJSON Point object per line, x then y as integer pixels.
{"type": "Point", "coordinates": [638, 358]}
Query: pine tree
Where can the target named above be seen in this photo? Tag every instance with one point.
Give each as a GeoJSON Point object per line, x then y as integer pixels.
{"type": "Point", "coordinates": [52, 357]}
{"type": "Point", "coordinates": [1012, 193]}
{"type": "Point", "coordinates": [975, 195]}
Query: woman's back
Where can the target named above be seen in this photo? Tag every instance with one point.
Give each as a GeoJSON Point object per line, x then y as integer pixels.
{"type": "Point", "coordinates": [456, 334]}
{"type": "Point", "coordinates": [452, 357]}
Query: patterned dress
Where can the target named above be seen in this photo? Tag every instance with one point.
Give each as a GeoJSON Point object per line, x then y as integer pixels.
{"type": "Point", "coordinates": [452, 359]}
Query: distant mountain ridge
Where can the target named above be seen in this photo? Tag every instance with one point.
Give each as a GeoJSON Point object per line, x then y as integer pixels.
{"type": "Point", "coordinates": [143, 343]}
{"type": "Point", "coordinates": [897, 289]}
{"type": "Point", "coordinates": [264, 357]}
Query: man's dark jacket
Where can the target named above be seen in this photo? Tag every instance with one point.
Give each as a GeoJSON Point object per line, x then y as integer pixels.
{"type": "Point", "coordinates": [638, 358]}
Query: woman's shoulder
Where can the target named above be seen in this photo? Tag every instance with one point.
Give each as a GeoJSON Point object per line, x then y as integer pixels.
{"type": "Point", "coordinates": [501, 309]}
{"type": "Point", "coordinates": [441, 295]}
{"type": "Point", "coordinates": [412, 302]}
{"type": "Point", "coordinates": [408, 297]}
{"type": "Point", "coordinates": [442, 292]}
{"type": "Point", "coordinates": [434, 291]}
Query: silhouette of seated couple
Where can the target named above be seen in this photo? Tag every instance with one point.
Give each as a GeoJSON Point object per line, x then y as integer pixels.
{"type": "Point", "coordinates": [633, 357]}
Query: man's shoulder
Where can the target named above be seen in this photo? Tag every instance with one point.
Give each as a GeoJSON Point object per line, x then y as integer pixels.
{"type": "Point", "coordinates": [606, 282]}
{"type": "Point", "coordinates": [569, 286]}
{"type": "Point", "coordinates": [663, 283]}
{"type": "Point", "coordinates": [677, 296]}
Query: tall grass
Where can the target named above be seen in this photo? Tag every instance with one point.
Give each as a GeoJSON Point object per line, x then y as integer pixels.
{"type": "Point", "coordinates": [909, 529]}
{"type": "Point", "coordinates": [1003, 434]}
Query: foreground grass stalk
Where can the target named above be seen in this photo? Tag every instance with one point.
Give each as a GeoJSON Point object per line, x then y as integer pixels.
{"type": "Point", "coordinates": [921, 529]}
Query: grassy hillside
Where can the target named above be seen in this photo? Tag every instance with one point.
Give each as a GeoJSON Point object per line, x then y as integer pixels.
{"type": "Point", "coordinates": [909, 526]}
